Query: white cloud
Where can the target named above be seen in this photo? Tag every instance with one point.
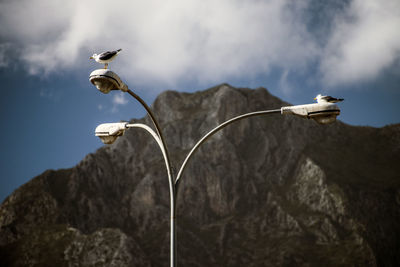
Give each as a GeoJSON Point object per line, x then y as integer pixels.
{"type": "Point", "coordinates": [284, 84]}
{"type": "Point", "coordinates": [165, 41]}
{"type": "Point", "coordinates": [119, 99]}
{"type": "Point", "coordinates": [169, 42]}
{"type": "Point", "coordinates": [365, 41]}
{"type": "Point", "coordinates": [4, 61]}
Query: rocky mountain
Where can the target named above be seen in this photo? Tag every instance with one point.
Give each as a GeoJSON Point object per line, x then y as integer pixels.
{"type": "Point", "coordinates": [266, 191]}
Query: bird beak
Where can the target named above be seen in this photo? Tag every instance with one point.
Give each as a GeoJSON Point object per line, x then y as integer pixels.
{"type": "Point", "coordinates": [315, 98]}
{"type": "Point", "coordinates": [91, 58]}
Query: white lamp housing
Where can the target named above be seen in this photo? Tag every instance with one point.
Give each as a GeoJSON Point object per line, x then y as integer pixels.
{"type": "Point", "coordinates": [105, 80]}
{"type": "Point", "coordinates": [323, 113]}
{"type": "Point", "coordinates": [109, 132]}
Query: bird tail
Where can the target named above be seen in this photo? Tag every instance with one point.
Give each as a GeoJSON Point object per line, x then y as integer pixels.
{"type": "Point", "coordinates": [119, 50]}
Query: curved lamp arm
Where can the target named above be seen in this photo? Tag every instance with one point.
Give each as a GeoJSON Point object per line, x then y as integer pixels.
{"type": "Point", "coordinates": [158, 140]}
{"type": "Point", "coordinates": [212, 132]}
{"type": "Point", "coordinates": [171, 187]}
{"type": "Point", "coordinates": [153, 119]}
{"type": "Point", "coordinates": [161, 142]}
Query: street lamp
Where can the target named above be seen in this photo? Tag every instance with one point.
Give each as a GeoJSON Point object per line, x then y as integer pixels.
{"type": "Point", "coordinates": [109, 132]}
{"type": "Point", "coordinates": [106, 80]}
{"type": "Point", "coordinates": [323, 113]}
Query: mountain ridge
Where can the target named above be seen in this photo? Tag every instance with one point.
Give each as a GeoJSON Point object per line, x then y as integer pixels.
{"type": "Point", "coordinates": [329, 194]}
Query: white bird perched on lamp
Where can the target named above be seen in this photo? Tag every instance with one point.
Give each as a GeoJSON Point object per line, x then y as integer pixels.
{"type": "Point", "coordinates": [327, 99]}
{"type": "Point", "coordinates": [105, 57]}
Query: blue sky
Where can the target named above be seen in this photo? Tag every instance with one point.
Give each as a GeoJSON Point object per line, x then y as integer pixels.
{"type": "Point", "coordinates": [296, 49]}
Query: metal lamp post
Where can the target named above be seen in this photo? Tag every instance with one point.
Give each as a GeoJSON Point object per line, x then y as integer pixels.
{"type": "Point", "coordinates": [106, 80]}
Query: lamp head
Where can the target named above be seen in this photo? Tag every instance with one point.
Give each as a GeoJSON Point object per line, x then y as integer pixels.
{"type": "Point", "coordinates": [105, 80]}
{"type": "Point", "coordinates": [323, 113]}
{"type": "Point", "coordinates": [327, 119]}
{"type": "Point", "coordinates": [109, 132]}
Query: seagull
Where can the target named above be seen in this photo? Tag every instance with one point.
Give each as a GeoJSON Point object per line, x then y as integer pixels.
{"type": "Point", "coordinates": [105, 57]}
{"type": "Point", "coordinates": [327, 99]}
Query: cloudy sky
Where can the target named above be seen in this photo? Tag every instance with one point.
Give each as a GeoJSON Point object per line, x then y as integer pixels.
{"type": "Point", "coordinates": [295, 48]}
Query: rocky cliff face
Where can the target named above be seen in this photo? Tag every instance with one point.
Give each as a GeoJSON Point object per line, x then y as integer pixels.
{"type": "Point", "coordinates": [266, 191]}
